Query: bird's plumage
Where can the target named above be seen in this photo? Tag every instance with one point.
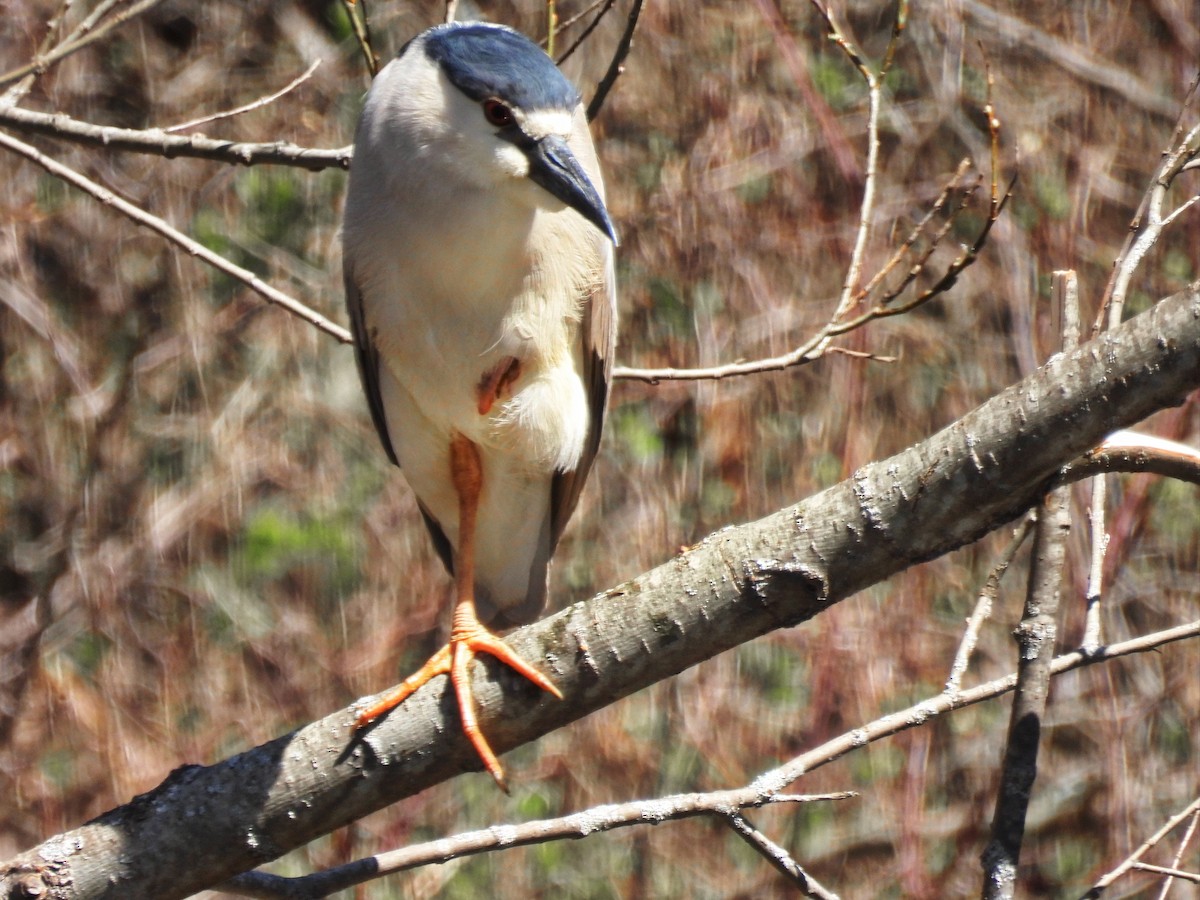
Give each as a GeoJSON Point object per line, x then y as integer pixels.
{"type": "Point", "coordinates": [479, 281]}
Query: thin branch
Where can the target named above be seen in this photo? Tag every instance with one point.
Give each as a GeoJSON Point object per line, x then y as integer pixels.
{"type": "Point", "coordinates": [587, 32]}
{"type": "Point", "coordinates": [617, 65]}
{"type": "Point", "coordinates": [777, 856]}
{"type": "Point", "coordinates": [766, 789]}
{"type": "Point", "coordinates": [21, 87]}
{"type": "Point", "coordinates": [818, 344]}
{"type": "Point", "coordinates": [596, 820]}
{"type": "Point", "coordinates": [918, 714]}
{"type": "Point", "coordinates": [257, 104]}
{"type": "Point", "coordinates": [158, 142]}
{"type": "Point", "coordinates": [867, 207]}
{"type": "Point", "coordinates": [1093, 634]}
{"type": "Point", "coordinates": [1178, 858]}
{"type": "Point", "coordinates": [983, 605]}
{"type": "Point", "coordinates": [1149, 222]}
{"type": "Point", "coordinates": [583, 13]}
{"type": "Point", "coordinates": [1169, 871]}
{"type": "Point", "coordinates": [195, 248]}
{"type": "Point", "coordinates": [918, 230]}
{"type": "Point", "coordinates": [1066, 303]}
{"type": "Point", "coordinates": [362, 33]}
{"type": "Point", "coordinates": [898, 26]}
{"type": "Point", "coordinates": [918, 266]}
{"type": "Point", "coordinates": [1100, 886]}
{"type": "Point", "coordinates": [42, 62]}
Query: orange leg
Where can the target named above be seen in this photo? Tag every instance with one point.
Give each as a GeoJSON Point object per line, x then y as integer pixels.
{"type": "Point", "coordinates": [468, 635]}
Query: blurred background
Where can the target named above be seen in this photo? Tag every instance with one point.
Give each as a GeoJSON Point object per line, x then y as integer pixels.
{"type": "Point", "coordinates": [190, 481]}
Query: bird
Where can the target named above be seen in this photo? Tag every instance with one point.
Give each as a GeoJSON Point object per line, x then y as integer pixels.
{"type": "Point", "coordinates": [477, 253]}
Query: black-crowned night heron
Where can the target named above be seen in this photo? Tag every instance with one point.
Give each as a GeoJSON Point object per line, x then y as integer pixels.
{"type": "Point", "coordinates": [479, 280]}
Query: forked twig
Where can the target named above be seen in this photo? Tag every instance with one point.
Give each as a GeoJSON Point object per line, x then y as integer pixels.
{"type": "Point", "coordinates": [816, 346]}
{"type": "Point", "coordinates": [1178, 858]}
{"type": "Point", "coordinates": [42, 62]}
{"type": "Point", "coordinates": [1148, 223]}
{"type": "Point", "coordinates": [1100, 886]}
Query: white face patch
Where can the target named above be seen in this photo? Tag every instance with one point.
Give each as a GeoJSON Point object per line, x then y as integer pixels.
{"type": "Point", "coordinates": [543, 122]}
{"type": "Point", "coordinates": [512, 159]}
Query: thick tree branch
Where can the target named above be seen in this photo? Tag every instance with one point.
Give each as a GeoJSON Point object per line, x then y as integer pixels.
{"type": "Point", "coordinates": [976, 474]}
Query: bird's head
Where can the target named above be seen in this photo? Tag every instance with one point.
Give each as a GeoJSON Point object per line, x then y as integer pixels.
{"type": "Point", "coordinates": [489, 104]}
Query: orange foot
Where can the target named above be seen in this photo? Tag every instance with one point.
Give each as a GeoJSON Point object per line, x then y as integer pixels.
{"type": "Point", "coordinates": [454, 660]}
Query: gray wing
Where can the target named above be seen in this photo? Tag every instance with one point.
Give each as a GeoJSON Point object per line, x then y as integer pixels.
{"type": "Point", "coordinates": [368, 360]}
{"type": "Point", "coordinates": [368, 370]}
{"type": "Point", "coordinates": [599, 336]}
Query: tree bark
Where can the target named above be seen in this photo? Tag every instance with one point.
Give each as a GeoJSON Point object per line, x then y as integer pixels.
{"type": "Point", "coordinates": [205, 824]}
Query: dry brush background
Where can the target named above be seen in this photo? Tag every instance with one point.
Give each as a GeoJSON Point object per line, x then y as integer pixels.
{"type": "Point", "coordinates": [189, 476]}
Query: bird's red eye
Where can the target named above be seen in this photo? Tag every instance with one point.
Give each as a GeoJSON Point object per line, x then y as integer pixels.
{"type": "Point", "coordinates": [497, 113]}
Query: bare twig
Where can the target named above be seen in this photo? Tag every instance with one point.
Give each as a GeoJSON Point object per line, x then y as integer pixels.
{"type": "Point", "coordinates": [983, 605]}
{"type": "Point", "coordinates": [257, 104]}
{"type": "Point", "coordinates": [1169, 871]}
{"type": "Point", "coordinates": [766, 789]}
{"type": "Point", "coordinates": [584, 12]}
{"type": "Point", "coordinates": [1100, 886]}
{"type": "Point", "coordinates": [817, 345]}
{"type": "Point", "coordinates": [21, 88]}
{"type": "Point", "coordinates": [41, 62]}
{"type": "Point", "coordinates": [918, 714]}
{"type": "Point", "coordinates": [617, 65]}
{"type": "Point", "coordinates": [502, 837]}
{"type": "Point", "coordinates": [1149, 221]}
{"type": "Point", "coordinates": [806, 353]}
{"type": "Point", "coordinates": [360, 24]}
{"type": "Point", "coordinates": [866, 210]}
{"type": "Point", "coordinates": [921, 261]}
{"type": "Point", "coordinates": [159, 143]}
{"type": "Point", "coordinates": [905, 246]}
{"type": "Point", "coordinates": [195, 248]}
{"type": "Point", "coordinates": [777, 856]}
{"type": "Point", "coordinates": [587, 32]}
{"type": "Point", "coordinates": [1178, 858]}
{"type": "Point", "coordinates": [898, 26]}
